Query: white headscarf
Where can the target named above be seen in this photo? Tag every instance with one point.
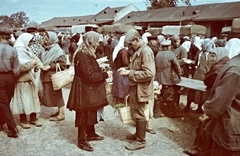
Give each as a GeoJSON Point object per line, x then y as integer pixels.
{"type": "Point", "coordinates": [187, 45]}
{"type": "Point", "coordinates": [233, 46]}
{"type": "Point", "coordinates": [144, 37]}
{"type": "Point", "coordinates": [118, 47]}
{"type": "Point", "coordinates": [197, 42]}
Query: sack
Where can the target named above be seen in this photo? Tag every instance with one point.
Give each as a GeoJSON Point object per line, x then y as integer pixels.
{"type": "Point", "coordinates": [62, 78]}
{"type": "Point", "coordinates": [174, 78]}
{"type": "Point", "coordinates": [125, 113]}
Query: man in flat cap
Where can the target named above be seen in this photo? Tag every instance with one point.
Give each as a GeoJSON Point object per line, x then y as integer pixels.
{"type": "Point", "coordinates": [153, 44]}
{"type": "Point", "coordinates": [31, 30]}
{"type": "Point", "coordinates": [222, 41]}
{"type": "Point", "coordinates": [166, 65]}
{"type": "Point", "coordinates": [9, 69]}
{"type": "Point", "coordinates": [41, 31]}
{"type": "Point", "coordinates": [115, 40]}
{"type": "Point", "coordinates": [141, 74]}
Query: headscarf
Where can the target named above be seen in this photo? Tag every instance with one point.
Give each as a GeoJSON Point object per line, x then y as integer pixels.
{"type": "Point", "coordinates": [144, 37]}
{"type": "Point", "coordinates": [197, 42]}
{"type": "Point", "coordinates": [53, 51]}
{"type": "Point", "coordinates": [161, 38]}
{"type": "Point", "coordinates": [90, 39]}
{"type": "Point", "coordinates": [233, 46]}
{"type": "Point", "coordinates": [24, 53]}
{"type": "Point", "coordinates": [187, 45]}
{"type": "Point", "coordinates": [220, 52]}
{"type": "Point", "coordinates": [118, 47]}
{"type": "Point", "coordinates": [208, 44]}
{"type": "Point", "coordinates": [36, 46]}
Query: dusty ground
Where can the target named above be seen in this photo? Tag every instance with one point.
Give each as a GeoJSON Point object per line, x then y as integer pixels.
{"type": "Point", "coordinates": [60, 138]}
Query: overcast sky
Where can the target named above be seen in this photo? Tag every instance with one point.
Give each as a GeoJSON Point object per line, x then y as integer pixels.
{"type": "Point", "coordinates": [43, 10]}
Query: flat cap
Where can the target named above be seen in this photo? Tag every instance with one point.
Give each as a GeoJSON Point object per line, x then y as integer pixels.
{"type": "Point", "coordinates": [41, 29]}
{"type": "Point", "coordinates": [5, 31]}
{"type": "Point", "coordinates": [119, 31]}
{"type": "Point", "coordinates": [224, 35]}
{"type": "Point", "coordinates": [31, 29]}
{"type": "Point", "coordinates": [152, 38]}
{"type": "Point", "coordinates": [130, 35]}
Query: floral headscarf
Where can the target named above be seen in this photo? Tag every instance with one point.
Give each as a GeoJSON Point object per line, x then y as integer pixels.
{"type": "Point", "coordinates": [36, 46]}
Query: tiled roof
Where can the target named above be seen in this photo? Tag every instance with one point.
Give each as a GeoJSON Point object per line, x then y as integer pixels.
{"type": "Point", "coordinates": [67, 21]}
{"type": "Point", "coordinates": [217, 11]}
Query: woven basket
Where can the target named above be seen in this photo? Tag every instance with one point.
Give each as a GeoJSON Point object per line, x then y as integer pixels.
{"type": "Point", "coordinates": [62, 78]}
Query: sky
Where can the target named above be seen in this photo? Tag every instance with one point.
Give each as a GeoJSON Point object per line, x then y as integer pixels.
{"type": "Point", "coordinates": [43, 10]}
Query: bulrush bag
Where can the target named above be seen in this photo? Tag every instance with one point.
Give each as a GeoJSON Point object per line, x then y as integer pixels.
{"type": "Point", "coordinates": [62, 78]}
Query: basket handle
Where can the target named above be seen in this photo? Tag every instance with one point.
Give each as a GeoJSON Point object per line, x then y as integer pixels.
{"type": "Point", "coordinates": [58, 67]}
{"type": "Point", "coordinates": [126, 98]}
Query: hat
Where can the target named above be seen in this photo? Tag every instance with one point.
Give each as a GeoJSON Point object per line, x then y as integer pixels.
{"type": "Point", "coordinates": [130, 36]}
{"type": "Point", "coordinates": [5, 31]}
{"type": "Point", "coordinates": [152, 38]}
{"type": "Point", "coordinates": [224, 35]}
{"type": "Point", "coordinates": [166, 43]}
{"type": "Point", "coordinates": [119, 31]}
{"type": "Point", "coordinates": [41, 29]}
{"type": "Point", "coordinates": [31, 29]}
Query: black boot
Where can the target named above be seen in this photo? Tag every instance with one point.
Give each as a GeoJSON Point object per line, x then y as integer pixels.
{"type": "Point", "coordinates": [157, 110]}
{"type": "Point", "coordinates": [91, 134]}
{"type": "Point", "coordinates": [140, 142]}
{"type": "Point", "coordinates": [82, 142]}
{"type": "Point", "coordinates": [171, 110]}
{"type": "Point", "coordinates": [13, 133]}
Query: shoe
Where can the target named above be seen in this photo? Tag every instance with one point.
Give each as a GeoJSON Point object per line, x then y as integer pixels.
{"type": "Point", "coordinates": [36, 123]}
{"type": "Point", "coordinates": [193, 152]}
{"type": "Point", "coordinates": [136, 145]}
{"type": "Point", "coordinates": [150, 130]}
{"type": "Point", "coordinates": [131, 137]}
{"type": "Point", "coordinates": [13, 134]}
{"type": "Point", "coordinates": [94, 138]}
{"type": "Point", "coordinates": [54, 115]}
{"type": "Point", "coordinates": [57, 118]}
{"type": "Point", "coordinates": [101, 119]}
{"type": "Point", "coordinates": [25, 125]}
{"type": "Point", "coordinates": [85, 146]}
{"type": "Point", "coordinates": [158, 115]}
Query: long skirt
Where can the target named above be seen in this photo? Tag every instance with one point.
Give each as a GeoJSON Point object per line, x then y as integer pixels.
{"type": "Point", "coordinates": [51, 98]}
{"type": "Point", "coordinates": [120, 86]}
{"type": "Point", "coordinates": [25, 99]}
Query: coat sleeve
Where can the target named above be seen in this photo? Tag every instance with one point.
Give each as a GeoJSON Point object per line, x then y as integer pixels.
{"type": "Point", "coordinates": [224, 95]}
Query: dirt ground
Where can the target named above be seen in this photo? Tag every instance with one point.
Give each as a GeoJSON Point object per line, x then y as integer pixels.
{"type": "Point", "coordinates": [60, 138]}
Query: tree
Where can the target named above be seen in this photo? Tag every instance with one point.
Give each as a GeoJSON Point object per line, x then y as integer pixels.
{"type": "Point", "coordinates": [156, 4]}
{"type": "Point", "coordinates": [18, 20]}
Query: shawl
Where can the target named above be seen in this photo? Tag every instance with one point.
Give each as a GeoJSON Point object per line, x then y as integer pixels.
{"type": "Point", "coordinates": [89, 44]}
{"type": "Point", "coordinates": [53, 51]}
{"type": "Point", "coordinates": [233, 46]}
{"type": "Point", "coordinates": [144, 37]}
{"type": "Point", "coordinates": [118, 47]}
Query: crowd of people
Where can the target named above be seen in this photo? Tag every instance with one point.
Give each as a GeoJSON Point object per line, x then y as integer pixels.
{"type": "Point", "coordinates": [139, 64]}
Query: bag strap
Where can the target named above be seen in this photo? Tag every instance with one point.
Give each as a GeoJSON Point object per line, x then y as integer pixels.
{"type": "Point", "coordinates": [58, 67]}
{"type": "Point", "coordinates": [126, 98]}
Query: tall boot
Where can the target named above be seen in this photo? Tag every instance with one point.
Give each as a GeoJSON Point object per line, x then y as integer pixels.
{"type": "Point", "coordinates": [91, 134]}
{"type": "Point", "coordinates": [82, 142]}
{"type": "Point", "coordinates": [34, 120]}
{"type": "Point", "coordinates": [172, 111]}
{"type": "Point", "coordinates": [140, 141]}
{"type": "Point", "coordinates": [23, 122]}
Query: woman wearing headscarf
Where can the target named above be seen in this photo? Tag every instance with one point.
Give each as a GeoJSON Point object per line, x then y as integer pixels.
{"type": "Point", "coordinates": [88, 92]}
{"type": "Point", "coordinates": [52, 55]}
{"type": "Point", "coordinates": [203, 64]}
{"type": "Point", "coordinates": [25, 100]}
{"type": "Point", "coordinates": [233, 46]}
{"type": "Point", "coordinates": [203, 140]}
{"type": "Point", "coordinates": [193, 51]}
{"type": "Point", "coordinates": [121, 58]}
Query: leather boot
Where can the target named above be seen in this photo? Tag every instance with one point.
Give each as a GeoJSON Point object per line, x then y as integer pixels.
{"type": "Point", "coordinates": [13, 133]}
{"type": "Point", "coordinates": [91, 134]}
{"type": "Point", "coordinates": [82, 142]}
{"type": "Point", "coordinates": [141, 134]}
{"type": "Point", "coordinates": [157, 111]}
